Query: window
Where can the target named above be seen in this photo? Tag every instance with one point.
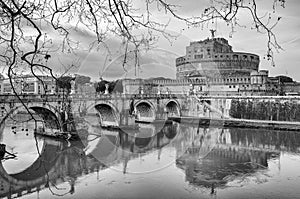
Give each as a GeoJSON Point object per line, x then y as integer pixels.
{"type": "Point", "coordinates": [198, 56]}
{"type": "Point", "coordinates": [6, 88]}
{"type": "Point", "coordinates": [208, 51]}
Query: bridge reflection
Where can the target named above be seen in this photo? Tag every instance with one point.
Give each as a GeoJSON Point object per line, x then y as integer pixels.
{"type": "Point", "coordinates": [61, 162]}
{"type": "Point", "coordinates": [209, 156]}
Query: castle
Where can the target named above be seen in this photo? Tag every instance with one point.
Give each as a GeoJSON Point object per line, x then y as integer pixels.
{"type": "Point", "coordinates": [211, 67]}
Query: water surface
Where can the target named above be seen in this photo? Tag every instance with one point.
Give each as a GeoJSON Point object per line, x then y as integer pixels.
{"type": "Point", "coordinates": [156, 161]}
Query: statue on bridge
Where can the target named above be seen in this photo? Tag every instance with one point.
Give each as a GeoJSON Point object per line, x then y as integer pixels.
{"type": "Point", "coordinates": [106, 89]}
{"type": "Point", "coordinates": [73, 90]}
{"type": "Point", "coordinates": [131, 107]}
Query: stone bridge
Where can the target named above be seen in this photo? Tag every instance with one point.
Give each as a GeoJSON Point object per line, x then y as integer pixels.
{"type": "Point", "coordinates": [60, 112]}
{"type": "Point", "coordinates": [69, 113]}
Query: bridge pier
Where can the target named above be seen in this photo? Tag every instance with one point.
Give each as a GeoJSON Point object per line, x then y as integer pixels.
{"type": "Point", "coordinates": [126, 119]}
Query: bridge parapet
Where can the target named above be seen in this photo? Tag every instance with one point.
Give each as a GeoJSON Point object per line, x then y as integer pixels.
{"type": "Point", "coordinates": [59, 97]}
{"type": "Point", "coordinates": [126, 96]}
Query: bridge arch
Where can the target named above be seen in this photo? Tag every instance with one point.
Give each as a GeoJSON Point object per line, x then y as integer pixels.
{"type": "Point", "coordinates": [145, 111]}
{"type": "Point", "coordinates": [47, 112]}
{"type": "Point", "coordinates": [172, 107]}
{"type": "Point", "coordinates": [106, 113]}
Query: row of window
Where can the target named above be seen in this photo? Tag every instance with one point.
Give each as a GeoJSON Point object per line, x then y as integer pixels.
{"type": "Point", "coordinates": [198, 50]}
{"type": "Point", "coordinates": [237, 80]}
{"type": "Point", "coordinates": [5, 88]}
{"type": "Point", "coordinates": [232, 80]}
{"type": "Point", "coordinates": [243, 86]}
{"type": "Point", "coordinates": [234, 57]}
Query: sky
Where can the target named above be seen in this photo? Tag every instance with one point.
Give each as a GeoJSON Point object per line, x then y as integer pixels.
{"type": "Point", "coordinates": [160, 61]}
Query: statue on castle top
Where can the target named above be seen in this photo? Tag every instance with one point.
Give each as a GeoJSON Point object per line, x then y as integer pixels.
{"type": "Point", "coordinates": [213, 33]}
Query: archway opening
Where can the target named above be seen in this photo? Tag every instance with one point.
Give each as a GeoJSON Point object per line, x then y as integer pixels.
{"type": "Point", "coordinates": [19, 116]}
{"type": "Point", "coordinates": [173, 109]}
{"type": "Point", "coordinates": [107, 115]}
{"type": "Point", "coordinates": [145, 112]}
{"type": "Point", "coordinates": [50, 119]}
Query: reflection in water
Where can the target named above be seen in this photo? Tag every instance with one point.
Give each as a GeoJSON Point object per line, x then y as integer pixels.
{"type": "Point", "coordinates": [221, 165]}
{"type": "Point", "coordinates": [210, 158]}
{"type": "Point", "coordinates": [232, 155]}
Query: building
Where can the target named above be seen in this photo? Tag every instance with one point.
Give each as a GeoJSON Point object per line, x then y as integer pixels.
{"type": "Point", "coordinates": [28, 84]}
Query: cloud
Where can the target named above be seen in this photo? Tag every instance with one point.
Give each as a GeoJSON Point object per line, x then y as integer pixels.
{"type": "Point", "coordinates": [161, 61]}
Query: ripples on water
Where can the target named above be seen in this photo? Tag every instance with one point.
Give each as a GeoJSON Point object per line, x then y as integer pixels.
{"type": "Point", "coordinates": [175, 161]}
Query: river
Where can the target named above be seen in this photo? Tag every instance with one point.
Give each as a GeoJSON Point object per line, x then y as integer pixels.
{"type": "Point", "coordinates": [155, 161]}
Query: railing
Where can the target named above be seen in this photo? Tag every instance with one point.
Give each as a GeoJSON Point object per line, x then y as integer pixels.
{"type": "Point", "coordinates": [127, 96]}
{"type": "Point", "coordinates": [57, 97]}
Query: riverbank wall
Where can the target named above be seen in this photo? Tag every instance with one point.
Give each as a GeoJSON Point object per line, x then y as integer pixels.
{"type": "Point", "coordinates": [270, 108]}
{"type": "Point", "coordinates": [269, 112]}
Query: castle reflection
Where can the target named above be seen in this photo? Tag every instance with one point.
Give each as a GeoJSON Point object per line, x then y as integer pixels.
{"type": "Point", "coordinates": [210, 157]}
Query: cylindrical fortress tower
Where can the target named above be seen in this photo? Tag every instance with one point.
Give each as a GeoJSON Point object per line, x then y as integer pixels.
{"type": "Point", "coordinates": [214, 58]}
